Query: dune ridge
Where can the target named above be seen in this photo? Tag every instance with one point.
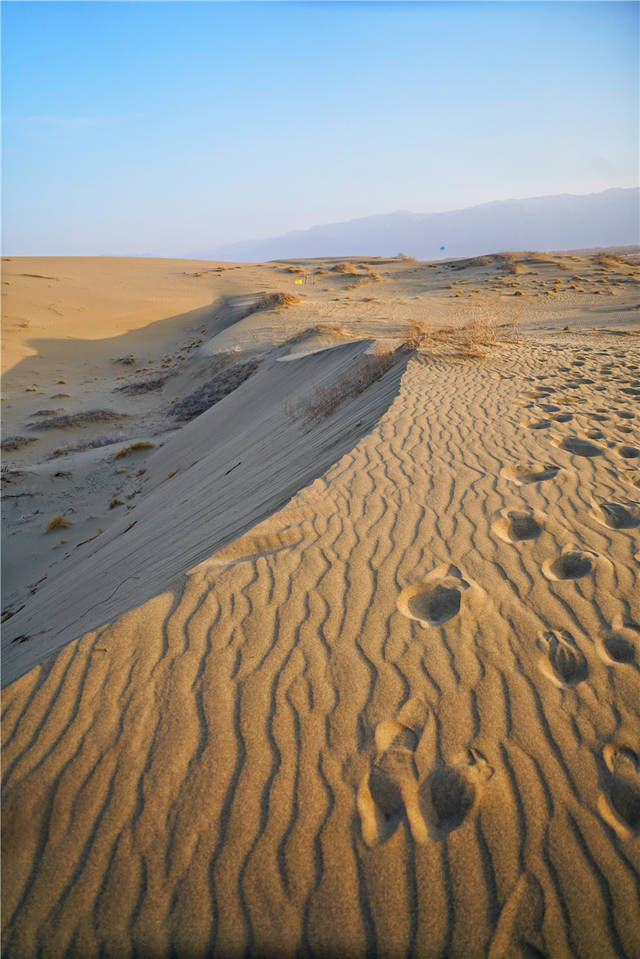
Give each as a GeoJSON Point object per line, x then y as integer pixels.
{"type": "Point", "coordinates": [397, 717]}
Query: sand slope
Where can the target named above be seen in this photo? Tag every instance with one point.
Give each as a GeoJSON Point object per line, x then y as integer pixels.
{"type": "Point", "coordinates": [398, 716]}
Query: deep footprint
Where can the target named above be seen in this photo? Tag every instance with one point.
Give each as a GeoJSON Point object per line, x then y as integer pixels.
{"type": "Point", "coordinates": [616, 516]}
{"type": "Point", "coordinates": [629, 452]}
{"type": "Point", "coordinates": [618, 648]}
{"type": "Point", "coordinates": [563, 663]}
{"type": "Point", "coordinates": [516, 525]}
{"type": "Point", "coordinates": [619, 802]}
{"type": "Point", "coordinates": [570, 565]}
{"type": "Point", "coordinates": [434, 601]}
{"type": "Point", "coordinates": [579, 447]}
{"type": "Point", "coordinates": [452, 797]}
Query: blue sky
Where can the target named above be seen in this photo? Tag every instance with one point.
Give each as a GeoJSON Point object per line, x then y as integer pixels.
{"type": "Point", "coordinates": [170, 129]}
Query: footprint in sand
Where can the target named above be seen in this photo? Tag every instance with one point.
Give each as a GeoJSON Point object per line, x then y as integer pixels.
{"type": "Point", "coordinates": [617, 516]}
{"type": "Point", "coordinates": [450, 792]}
{"type": "Point", "coordinates": [562, 663]}
{"type": "Point", "coordinates": [539, 424]}
{"type": "Point", "coordinates": [619, 646]}
{"type": "Point", "coordinates": [391, 792]}
{"type": "Point", "coordinates": [542, 393]}
{"type": "Point", "coordinates": [578, 446]}
{"type": "Point", "coordinates": [515, 525]}
{"type": "Point", "coordinates": [629, 452]}
{"type": "Point", "coordinates": [570, 564]}
{"type": "Point", "coordinates": [436, 599]}
{"type": "Point", "coordinates": [619, 800]}
{"type": "Point", "coordinates": [532, 472]}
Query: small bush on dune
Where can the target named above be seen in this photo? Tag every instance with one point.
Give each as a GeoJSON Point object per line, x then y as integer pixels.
{"type": "Point", "coordinates": [57, 522]}
{"type": "Point", "coordinates": [270, 300]}
{"type": "Point", "coordinates": [419, 334]}
{"type": "Point", "coordinates": [12, 443]}
{"type": "Point", "coordinates": [134, 448]}
{"type": "Point", "coordinates": [345, 268]}
{"type": "Point", "coordinates": [210, 393]}
{"type": "Point", "coordinates": [326, 399]}
{"type": "Point", "coordinates": [73, 420]}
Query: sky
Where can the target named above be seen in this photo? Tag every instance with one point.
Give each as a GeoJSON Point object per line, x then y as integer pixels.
{"type": "Point", "coordinates": [171, 129]}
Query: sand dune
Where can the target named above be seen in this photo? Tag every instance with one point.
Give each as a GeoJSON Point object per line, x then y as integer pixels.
{"type": "Point", "coordinates": [376, 690]}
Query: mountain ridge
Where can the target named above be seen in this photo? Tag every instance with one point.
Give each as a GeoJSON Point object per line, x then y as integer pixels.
{"type": "Point", "coordinates": [562, 221]}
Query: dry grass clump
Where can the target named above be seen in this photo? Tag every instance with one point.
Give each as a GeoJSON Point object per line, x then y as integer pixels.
{"type": "Point", "coordinates": [225, 382]}
{"type": "Point", "coordinates": [326, 399]}
{"type": "Point", "coordinates": [473, 330]}
{"type": "Point", "coordinates": [477, 334]}
{"type": "Point", "coordinates": [134, 448]}
{"type": "Point", "coordinates": [142, 386]}
{"type": "Point", "coordinates": [346, 268]}
{"type": "Point", "coordinates": [294, 269]}
{"type": "Point", "coordinates": [12, 443]}
{"type": "Point", "coordinates": [331, 328]}
{"type": "Point", "coordinates": [405, 258]}
{"type": "Point", "coordinates": [71, 420]}
{"type": "Point", "coordinates": [418, 335]}
{"type": "Point", "coordinates": [611, 259]}
{"type": "Point", "coordinates": [115, 502]}
{"type": "Point", "coordinates": [269, 300]}
{"type": "Point", "coordinates": [57, 522]}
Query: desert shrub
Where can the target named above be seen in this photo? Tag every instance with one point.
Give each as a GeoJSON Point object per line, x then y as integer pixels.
{"type": "Point", "coordinates": [326, 399]}
{"type": "Point", "coordinates": [142, 386]}
{"type": "Point", "coordinates": [57, 522]}
{"type": "Point", "coordinates": [418, 335]}
{"type": "Point", "coordinates": [345, 268]}
{"type": "Point", "coordinates": [213, 391]}
{"type": "Point", "coordinates": [134, 448]}
{"type": "Point", "coordinates": [127, 360]}
{"type": "Point", "coordinates": [70, 420]}
{"type": "Point", "coordinates": [92, 444]}
{"type": "Point", "coordinates": [269, 300]}
{"type": "Point", "coordinates": [12, 443]}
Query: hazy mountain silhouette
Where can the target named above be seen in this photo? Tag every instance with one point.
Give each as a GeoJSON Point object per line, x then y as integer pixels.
{"type": "Point", "coordinates": [610, 218]}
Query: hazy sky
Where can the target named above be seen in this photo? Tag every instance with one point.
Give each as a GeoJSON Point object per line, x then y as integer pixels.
{"type": "Point", "coordinates": [174, 128]}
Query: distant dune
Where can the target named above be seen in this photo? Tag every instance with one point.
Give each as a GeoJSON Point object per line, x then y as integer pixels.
{"type": "Point", "coordinates": [561, 222]}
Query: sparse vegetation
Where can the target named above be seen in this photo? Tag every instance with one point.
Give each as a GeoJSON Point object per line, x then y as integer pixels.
{"type": "Point", "coordinates": [271, 300]}
{"type": "Point", "coordinates": [471, 333]}
{"type": "Point", "coordinates": [115, 502]}
{"type": "Point", "coordinates": [12, 443]}
{"type": "Point", "coordinates": [57, 522]}
{"type": "Point", "coordinates": [213, 391]}
{"type": "Point", "coordinates": [142, 386]}
{"type": "Point", "coordinates": [135, 448]}
{"type": "Point", "coordinates": [72, 420]}
{"type": "Point", "coordinates": [326, 399]}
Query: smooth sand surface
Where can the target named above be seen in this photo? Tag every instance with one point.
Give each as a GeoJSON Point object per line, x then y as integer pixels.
{"type": "Point", "coordinates": [362, 684]}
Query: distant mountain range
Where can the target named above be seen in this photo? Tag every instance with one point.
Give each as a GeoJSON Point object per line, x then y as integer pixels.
{"type": "Point", "coordinates": [610, 218]}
